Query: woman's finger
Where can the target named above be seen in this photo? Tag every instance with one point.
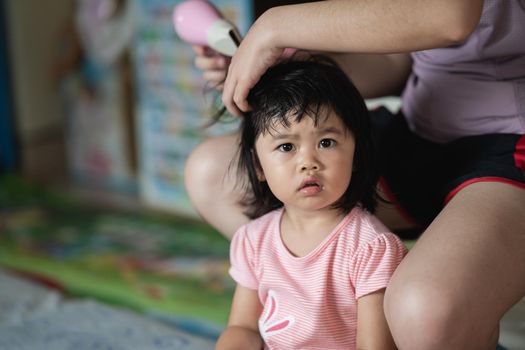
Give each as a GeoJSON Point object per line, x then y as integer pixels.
{"type": "Point", "coordinates": [215, 78]}
{"type": "Point", "coordinates": [240, 96]}
{"type": "Point", "coordinates": [227, 97]}
{"type": "Point", "coordinates": [205, 63]}
{"type": "Point", "coordinates": [198, 50]}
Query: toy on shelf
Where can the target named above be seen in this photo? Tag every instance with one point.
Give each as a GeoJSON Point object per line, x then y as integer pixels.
{"type": "Point", "coordinates": [198, 22]}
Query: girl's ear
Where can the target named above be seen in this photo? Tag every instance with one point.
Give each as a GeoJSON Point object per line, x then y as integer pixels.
{"type": "Point", "coordinates": [260, 173]}
{"type": "Point", "coordinates": [258, 169]}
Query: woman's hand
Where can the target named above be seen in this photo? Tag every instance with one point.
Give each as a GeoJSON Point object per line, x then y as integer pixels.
{"type": "Point", "coordinates": [213, 66]}
{"type": "Point", "coordinates": [257, 52]}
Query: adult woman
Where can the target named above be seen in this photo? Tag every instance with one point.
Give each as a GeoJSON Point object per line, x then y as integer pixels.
{"type": "Point", "coordinates": [467, 268]}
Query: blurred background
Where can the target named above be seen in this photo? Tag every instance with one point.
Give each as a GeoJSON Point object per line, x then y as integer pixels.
{"type": "Point", "coordinates": [101, 96]}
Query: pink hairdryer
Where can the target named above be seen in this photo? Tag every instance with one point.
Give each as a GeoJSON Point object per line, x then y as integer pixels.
{"type": "Point", "coordinates": [198, 22]}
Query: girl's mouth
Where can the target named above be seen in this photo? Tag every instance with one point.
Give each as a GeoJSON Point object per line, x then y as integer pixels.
{"type": "Point", "coordinates": [310, 187]}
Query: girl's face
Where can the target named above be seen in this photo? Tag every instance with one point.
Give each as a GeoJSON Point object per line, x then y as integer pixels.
{"type": "Point", "coordinates": [307, 167]}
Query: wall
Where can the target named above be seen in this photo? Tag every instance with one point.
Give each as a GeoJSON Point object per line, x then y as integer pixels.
{"type": "Point", "coordinates": [33, 28]}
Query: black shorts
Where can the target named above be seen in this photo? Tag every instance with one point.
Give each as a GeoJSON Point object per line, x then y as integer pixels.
{"type": "Point", "coordinates": [422, 176]}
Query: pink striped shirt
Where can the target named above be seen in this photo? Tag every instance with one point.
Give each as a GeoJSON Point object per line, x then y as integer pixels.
{"type": "Point", "coordinates": [310, 302]}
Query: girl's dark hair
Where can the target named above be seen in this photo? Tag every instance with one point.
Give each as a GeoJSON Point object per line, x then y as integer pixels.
{"type": "Point", "coordinates": [306, 87]}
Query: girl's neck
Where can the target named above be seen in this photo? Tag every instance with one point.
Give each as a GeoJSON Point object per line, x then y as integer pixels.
{"type": "Point", "coordinates": [302, 221]}
{"type": "Point", "coordinates": [302, 232]}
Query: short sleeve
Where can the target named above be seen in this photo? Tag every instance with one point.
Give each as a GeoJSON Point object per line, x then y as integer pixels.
{"type": "Point", "coordinates": [374, 263]}
{"type": "Point", "coordinates": [242, 256]}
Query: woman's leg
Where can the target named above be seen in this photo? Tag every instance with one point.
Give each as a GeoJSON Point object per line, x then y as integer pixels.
{"type": "Point", "coordinates": [210, 182]}
{"type": "Point", "coordinates": [463, 274]}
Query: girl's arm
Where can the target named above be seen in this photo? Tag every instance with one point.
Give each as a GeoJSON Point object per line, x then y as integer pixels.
{"type": "Point", "coordinates": [242, 331]}
{"type": "Point", "coordinates": [372, 329]}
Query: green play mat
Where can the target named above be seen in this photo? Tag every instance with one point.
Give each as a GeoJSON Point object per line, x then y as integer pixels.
{"type": "Point", "coordinates": [174, 268]}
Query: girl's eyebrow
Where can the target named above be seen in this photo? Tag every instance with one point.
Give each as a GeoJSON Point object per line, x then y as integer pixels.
{"type": "Point", "coordinates": [279, 136]}
{"type": "Point", "coordinates": [330, 130]}
{"type": "Point", "coordinates": [321, 131]}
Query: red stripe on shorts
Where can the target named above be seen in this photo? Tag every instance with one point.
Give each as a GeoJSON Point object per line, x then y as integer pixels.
{"type": "Point", "coordinates": [452, 193]}
{"type": "Point", "coordinates": [519, 162]}
{"type": "Point", "coordinates": [519, 154]}
{"type": "Point", "coordinates": [392, 198]}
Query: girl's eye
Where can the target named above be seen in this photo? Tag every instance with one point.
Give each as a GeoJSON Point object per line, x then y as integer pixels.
{"type": "Point", "coordinates": [285, 147]}
{"type": "Point", "coordinates": [326, 143]}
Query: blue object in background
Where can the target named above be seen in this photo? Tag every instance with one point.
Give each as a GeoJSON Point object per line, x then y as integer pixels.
{"type": "Point", "coordinates": [7, 137]}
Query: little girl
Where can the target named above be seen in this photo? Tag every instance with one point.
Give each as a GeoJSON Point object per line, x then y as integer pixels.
{"type": "Point", "coordinates": [312, 269]}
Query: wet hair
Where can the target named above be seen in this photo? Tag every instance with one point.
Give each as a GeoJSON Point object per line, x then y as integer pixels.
{"type": "Point", "coordinates": [287, 93]}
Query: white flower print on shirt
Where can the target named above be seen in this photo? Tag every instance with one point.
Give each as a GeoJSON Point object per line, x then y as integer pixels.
{"type": "Point", "coordinates": [268, 325]}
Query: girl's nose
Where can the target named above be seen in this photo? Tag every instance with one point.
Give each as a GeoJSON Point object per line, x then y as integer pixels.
{"type": "Point", "coordinates": [309, 162]}
{"type": "Point", "coordinates": [310, 166]}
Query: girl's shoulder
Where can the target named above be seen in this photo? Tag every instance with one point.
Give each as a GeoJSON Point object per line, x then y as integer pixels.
{"type": "Point", "coordinates": [266, 220]}
{"type": "Point", "coordinates": [365, 227]}
{"type": "Point", "coordinates": [259, 228]}
{"type": "Point", "coordinates": [364, 220]}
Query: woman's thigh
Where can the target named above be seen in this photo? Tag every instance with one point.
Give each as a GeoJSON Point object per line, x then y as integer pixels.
{"type": "Point", "coordinates": [464, 273]}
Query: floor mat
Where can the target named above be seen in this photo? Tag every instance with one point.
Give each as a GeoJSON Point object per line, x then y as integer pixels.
{"type": "Point", "coordinates": [173, 268]}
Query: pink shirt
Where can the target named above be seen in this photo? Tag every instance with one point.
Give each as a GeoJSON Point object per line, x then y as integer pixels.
{"type": "Point", "coordinates": [310, 302]}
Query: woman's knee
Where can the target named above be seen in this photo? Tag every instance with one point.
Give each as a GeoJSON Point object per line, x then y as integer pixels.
{"type": "Point", "coordinates": [202, 168]}
{"type": "Point", "coordinates": [415, 318]}
{"type": "Point", "coordinates": [208, 167]}
{"type": "Point", "coordinates": [423, 316]}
